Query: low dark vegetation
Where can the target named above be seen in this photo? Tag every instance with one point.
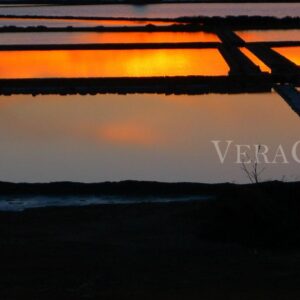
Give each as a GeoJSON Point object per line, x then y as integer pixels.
{"type": "Point", "coordinates": [147, 28]}
{"type": "Point", "coordinates": [245, 22]}
{"type": "Point", "coordinates": [261, 215]}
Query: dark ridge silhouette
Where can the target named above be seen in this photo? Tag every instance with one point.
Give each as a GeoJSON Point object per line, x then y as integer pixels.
{"type": "Point", "coordinates": [146, 28]}
{"type": "Point", "coordinates": [245, 22]}
{"type": "Point", "coordinates": [145, 188]}
{"type": "Point", "coordinates": [123, 188]}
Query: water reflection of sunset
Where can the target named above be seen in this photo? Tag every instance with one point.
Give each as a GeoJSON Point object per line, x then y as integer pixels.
{"type": "Point", "coordinates": [291, 53]}
{"type": "Point", "coordinates": [270, 35]}
{"type": "Point", "coordinates": [129, 133]}
{"type": "Point", "coordinates": [145, 37]}
{"type": "Point", "coordinates": [256, 60]}
{"type": "Point", "coordinates": [111, 63]}
{"type": "Point", "coordinates": [104, 37]}
{"type": "Point", "coordinates": [145, 137]}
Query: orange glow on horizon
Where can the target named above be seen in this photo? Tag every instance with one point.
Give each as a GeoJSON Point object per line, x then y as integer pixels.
{"type": "Point", "coordinates": [291, 53]}
{"type": "Point", "coordinates": [111, 63]}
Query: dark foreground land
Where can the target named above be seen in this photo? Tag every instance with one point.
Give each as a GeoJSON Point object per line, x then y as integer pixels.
{"type": "Point", "coordinates": [244, 244]}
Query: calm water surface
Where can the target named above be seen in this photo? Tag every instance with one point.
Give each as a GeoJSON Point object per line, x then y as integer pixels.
{"type": "Point", "coordinates": [143, 137]}
{"type": "Point", "coordinates": [162, 10]}
{"type": "Point", "coordinates": [263, 67]}
{"type": "Point", "coordinates": [105, 37]}
{"type": "Point", "coordinates": [269, 35]}
{"type": "Point", "coordinates": [291, 53]}
{"type": "Point", "coordinates": [111, 63]}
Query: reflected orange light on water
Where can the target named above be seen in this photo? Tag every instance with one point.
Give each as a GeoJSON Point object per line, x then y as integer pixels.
{"type": "Point", "coordinates": [291, 53]}
{"type": "Point", "coordinates": [104, 37]}
{"type": "Point", "coordinates": [129, 133]}
{"type": "Point", "coordinates": [116, 23]}
{"type": "Point", "coordinates": [145, 137]}
{"type": "Point", "coordinates": [269, 35]}
{"type": "Point", "coordinates": [111, 63]}
{"type": "Point", "coordinates": [256, 60]}
{"type": "Point", "coordinates": [144, 37]}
